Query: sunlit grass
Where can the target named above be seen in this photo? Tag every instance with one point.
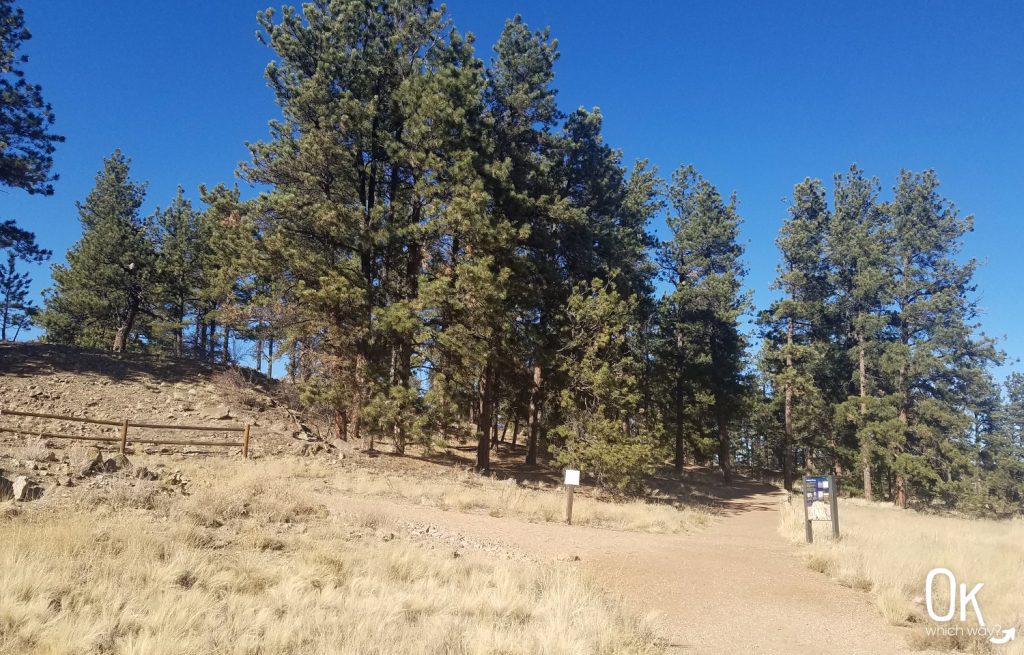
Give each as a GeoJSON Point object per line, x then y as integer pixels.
{"type": "Point", "coordinates": [251, 561]}
{"type": "Point", "coordinates": [889, 552]}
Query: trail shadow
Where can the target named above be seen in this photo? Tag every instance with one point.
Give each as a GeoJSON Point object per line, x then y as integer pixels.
{"type": "Point", "coordinates": [700, 485]}
{"type": "Point", "coordinates": [696, 486]}
{"type": "Point", "coordinates": [506, 462]}
{"type": "Point", "coordinates": [33, 359]}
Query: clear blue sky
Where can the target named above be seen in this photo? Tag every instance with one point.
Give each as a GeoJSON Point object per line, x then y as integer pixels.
{"type": "Point", "coordinates": [758, 95]}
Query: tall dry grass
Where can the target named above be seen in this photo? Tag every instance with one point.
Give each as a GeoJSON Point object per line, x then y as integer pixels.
{"type": "Point", "coordinates": [251, 562]}
{"type": "Point", "coordinates": [889, 552]}
{"type": "Point", "coordinates": [464, 492]}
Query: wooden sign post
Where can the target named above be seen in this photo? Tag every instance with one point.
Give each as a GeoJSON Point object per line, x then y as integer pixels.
{"type": "Point", "coordinates": [572, 480]}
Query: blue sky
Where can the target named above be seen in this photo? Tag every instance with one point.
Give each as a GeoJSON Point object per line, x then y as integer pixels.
{"type": "Point", "coordinates": [758, 95]}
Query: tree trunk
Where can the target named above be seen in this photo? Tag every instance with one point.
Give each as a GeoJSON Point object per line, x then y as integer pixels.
{"type": "Point", "coordinates": [355, 415]}
{"type": "Point", "coordinates": [341, 424]}
{"type": "Point", "coordinates": [259, 355]}
{"type": "Point", "coordinates": [901, 479]}
{"type": "Point", "coordinates": [515, 426]}
{"type": "Point", "coordinates": [121, 338]}
{"type": "Point", "coordinates": [494, 426]}
{"type": "Point", "coordinates": [413, 265]}
{"type": "Point", "coordinates": [483, 422]}
{"type": "Point", "coordinates": [293, 361]}
{"type": "Point", "coordinates": [270, 357]}
{"type": "Point", "coordinates": [493, 432]}
{"type": "Point", "coordinates": [504, 430]}
{"type": "Point", "coordinates": [679, 451]}
{"type": "Point", "coordinates": [787, 440]}
{"type": "Point", "coordinates": [533, 420]}
{"type": "Point", "coordinates": [211, 342]}
{"type": "Point", "coordinates": [724, 454]}
{"type": "Point", "coordinates": [865, 442]}
{"type": "Point", "coordinates": [226, 351]}
{"type": "Point", "coordinates": [901, 491]}
{"type": "Point", "coordinates": [179, 331]}
{"type": "Point", "coordinates": [903, 384]}
{"type": "Point", "coordinates": [200, 336]}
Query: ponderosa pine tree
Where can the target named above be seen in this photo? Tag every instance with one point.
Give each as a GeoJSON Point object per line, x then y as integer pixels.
{"type": "Point", "coordinates": [16, 309]}
{"type": "Point", "coordinates": [1001, 446]}
{"type": "Point", "coordinates": [936, 356]}
{"type": "Point", "coordinates": [379, 149]}
{"type": "Point", "coordinates": [101, 296]}
{"type": "Point", "coordinates": [178, 240]}
{"type": "Point", "coordinates": [703, 261]}
{"type": "Point", "coordinates": [26, 140]}
{"type": "Point", "coordinates": [229, 265]}
{"type": "Point", "coordinates": [859, 241]}
{"type": "Point", "coordinates": [798, 325]}
{"type": "Point", "coordinates": [520, 100]}
{"type": "Point", "coordinates": [27, 145]}
{"type": "Point", "coordinates": [602, 430]}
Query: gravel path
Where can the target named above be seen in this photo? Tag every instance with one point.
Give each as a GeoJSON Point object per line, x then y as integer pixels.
{"type": "Point", "coordinates": [736, 587]}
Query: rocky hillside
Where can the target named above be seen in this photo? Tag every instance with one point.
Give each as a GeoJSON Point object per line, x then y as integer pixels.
{"type": "Point", "coordinates": [53, 379]}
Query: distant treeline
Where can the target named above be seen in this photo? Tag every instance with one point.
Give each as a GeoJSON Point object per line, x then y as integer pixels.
{"type": "Point", "coordinates": [443, 253]}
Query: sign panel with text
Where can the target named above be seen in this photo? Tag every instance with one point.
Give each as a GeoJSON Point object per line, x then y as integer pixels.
{"type": "Point", "coordinates": [820, 504]}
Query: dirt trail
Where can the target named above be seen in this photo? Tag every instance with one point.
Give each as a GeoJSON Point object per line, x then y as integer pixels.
{"type": "Point", "coordinates": [734, 588]}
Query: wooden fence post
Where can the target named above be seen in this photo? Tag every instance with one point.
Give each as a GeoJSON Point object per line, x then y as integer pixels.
{"type": "Point", "coordinates": [245, 442]}
{"type": "Point", "coordinates": [569, 489]}
{"type": "Point", "coordinates": [124, 436]}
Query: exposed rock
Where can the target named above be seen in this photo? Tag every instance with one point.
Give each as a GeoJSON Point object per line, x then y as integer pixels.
{"type": "Point", "coordinates": [90, 463]}
{"type": "Point", "coordinates": [116, 463]}
{"type": "Point", "coordinates": [285, 429]}
{"type": "Point", "coordinates": [6, 488]}
{"type": "Point", "coordinates": [25, 490]}
{"type": "Point", "coordinates": [217, 413]}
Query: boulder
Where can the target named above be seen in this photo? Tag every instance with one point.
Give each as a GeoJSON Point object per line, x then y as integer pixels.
{"type": "Point", "coordinates": [285, 429]}
{"type": "Point", "coordinates": [26, 490]}
{"type": "Point", "coordinates": [6, 488]}
{"type": "Point", "coordinates": [116, 463]}
{"type": "Point", "coordinates": [90, 463]}
{"type": "Point", "coordinates": [217, 413]}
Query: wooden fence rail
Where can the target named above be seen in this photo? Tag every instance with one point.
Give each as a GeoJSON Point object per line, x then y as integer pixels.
{"type": "Point", "coordinates": [122, 439]}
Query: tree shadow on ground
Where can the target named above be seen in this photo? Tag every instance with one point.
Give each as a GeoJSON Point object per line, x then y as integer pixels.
{"type": "Point", "coordinates": [696, 486]}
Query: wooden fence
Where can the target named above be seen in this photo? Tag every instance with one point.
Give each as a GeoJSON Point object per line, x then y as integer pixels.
{"type": "Point", "coordinates": [122, 440]}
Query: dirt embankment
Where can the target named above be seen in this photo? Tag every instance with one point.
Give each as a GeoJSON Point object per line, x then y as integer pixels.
{"type": "Point", "coordinates": [67, 381]}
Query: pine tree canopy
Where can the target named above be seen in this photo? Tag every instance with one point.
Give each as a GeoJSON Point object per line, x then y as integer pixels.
{"type": "Point", "coordinates": [439, 253]}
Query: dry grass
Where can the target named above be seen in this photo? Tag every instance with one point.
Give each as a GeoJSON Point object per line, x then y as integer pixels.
{"type": "Point", "coordinates": [237, 389]}
{"type": "Point", "coordinates": [890, 552]}
{"type": "Point", "coordinates": [466, 492]}
{"type": "Point", "coordinates": [34, 448]}
{"type": "Point", "coordinates": [251, 562]}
